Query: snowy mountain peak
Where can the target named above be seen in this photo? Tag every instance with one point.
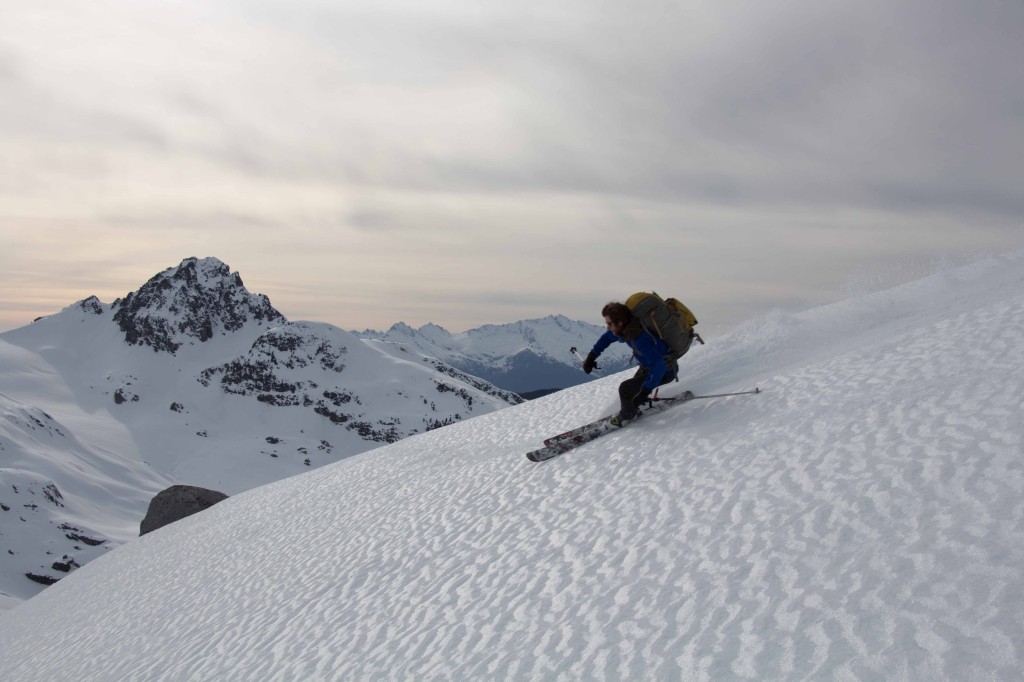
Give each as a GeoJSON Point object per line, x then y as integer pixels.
{"type": "Point", "coordinates": [189, 303]}
{"type": "Point", "coordinates": [91, 305]}
{"type": "Point", "coordinates": [401, 328]}
{"type": "Point", "coordinates": [434, 330]}
{"type": "Point", "coordinates": [251, 398]}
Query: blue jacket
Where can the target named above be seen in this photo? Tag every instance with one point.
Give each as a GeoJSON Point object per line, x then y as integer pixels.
{"type": "Point", "coordinates": [649, 351]}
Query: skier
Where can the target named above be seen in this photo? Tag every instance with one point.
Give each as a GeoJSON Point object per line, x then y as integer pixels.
{"type": "Point", "coordinates": [657, 366]}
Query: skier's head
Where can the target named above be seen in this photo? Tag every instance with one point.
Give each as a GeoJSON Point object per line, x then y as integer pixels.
{"type": "Point", "coordinates": [616, 316]}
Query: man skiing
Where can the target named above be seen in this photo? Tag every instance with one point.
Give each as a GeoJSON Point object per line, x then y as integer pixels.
{"type": "Point", "coordinates": [657, 366]}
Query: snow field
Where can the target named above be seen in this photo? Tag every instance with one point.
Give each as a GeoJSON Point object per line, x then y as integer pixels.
{"type": "Point", "coordinates": [862, 519]}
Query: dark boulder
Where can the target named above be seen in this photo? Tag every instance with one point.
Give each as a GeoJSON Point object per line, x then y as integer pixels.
{"type": "Point", "coordinates": [176, 503]}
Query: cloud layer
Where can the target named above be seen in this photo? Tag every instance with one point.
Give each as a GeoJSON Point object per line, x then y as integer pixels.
{"type": "Point", "coordinates": [474, 162]}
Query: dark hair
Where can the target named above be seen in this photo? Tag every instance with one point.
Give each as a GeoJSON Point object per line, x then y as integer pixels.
{"type": "Point", "coordinates": [617, 312]}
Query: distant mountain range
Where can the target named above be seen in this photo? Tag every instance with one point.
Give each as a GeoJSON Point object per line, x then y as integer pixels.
{"type": "Point", "coordinates": [524, 356]}
{"type": "Point", "coordinates": [193, 379]}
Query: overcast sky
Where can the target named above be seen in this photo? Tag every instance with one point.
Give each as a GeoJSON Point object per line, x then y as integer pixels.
{"type": "Point", "coordinates": [474, 161]}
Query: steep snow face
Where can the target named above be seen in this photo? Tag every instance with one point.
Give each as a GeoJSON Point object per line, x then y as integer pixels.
{"type": "Point", "coordinates": [861, 518]}
{"type": "Point", "coordinates": [49, 529]}
{"type": "Point", "coordinates": [523, 356]}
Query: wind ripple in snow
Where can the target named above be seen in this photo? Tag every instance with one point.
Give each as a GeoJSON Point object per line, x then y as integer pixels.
{"type": "Point", "coordinates": [860, 520]}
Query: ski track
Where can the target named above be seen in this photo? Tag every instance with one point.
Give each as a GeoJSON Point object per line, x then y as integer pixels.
{"type": "Point", "coordinates": [878, 537]}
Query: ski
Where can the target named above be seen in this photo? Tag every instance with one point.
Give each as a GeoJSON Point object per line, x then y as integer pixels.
{"type": "Point", "coordinates": [596, 430]}
{"type": "Point", "coordinates": [657, 406]}
{"type": "Point", "coordinates": [572, 439]}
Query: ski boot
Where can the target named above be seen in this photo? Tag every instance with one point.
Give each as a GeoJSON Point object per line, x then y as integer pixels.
{"type": "Point", "coordinates": [623, 417]}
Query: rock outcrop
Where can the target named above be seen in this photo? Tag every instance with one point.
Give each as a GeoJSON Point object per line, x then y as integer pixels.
{"type": "Point", "coordinates": [177, 502]}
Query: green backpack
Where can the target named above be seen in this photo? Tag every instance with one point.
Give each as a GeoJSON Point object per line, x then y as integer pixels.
{"type": "Point", "coordinates": [667, 319]}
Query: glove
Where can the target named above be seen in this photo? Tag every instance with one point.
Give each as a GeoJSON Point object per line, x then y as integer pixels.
{"type": "Point", "coordinates": [590, 363]}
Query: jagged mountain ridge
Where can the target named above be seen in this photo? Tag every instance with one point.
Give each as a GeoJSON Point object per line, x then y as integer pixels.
{"type": "Point", "coordinates": [523, 356]}
{"type": "Point", "coordinates": [192, 379]}
{"type": "Point", "coordinates": [188, 303]}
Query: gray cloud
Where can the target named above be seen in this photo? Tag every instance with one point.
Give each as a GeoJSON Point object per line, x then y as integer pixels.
{"type": "Point", "coordinates": [756, 150]}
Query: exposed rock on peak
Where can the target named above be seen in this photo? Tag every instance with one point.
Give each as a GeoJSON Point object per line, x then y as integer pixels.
{"type": "Point", "coordinates": [189, 303]}
{"type": "Point", "coordinates": [91, 305]}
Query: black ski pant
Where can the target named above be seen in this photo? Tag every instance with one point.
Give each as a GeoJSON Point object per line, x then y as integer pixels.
{"type": "Point", "coordinates": [631, 391]}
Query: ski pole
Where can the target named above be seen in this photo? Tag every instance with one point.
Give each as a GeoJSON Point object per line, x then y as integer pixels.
{"type": "Point", "coordinates": [577, 354]}
{"type": "Point", "coordinates": [713, 395]}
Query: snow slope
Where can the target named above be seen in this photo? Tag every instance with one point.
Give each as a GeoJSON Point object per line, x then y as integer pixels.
{"type": "Point", "coordinates": [860, 519]}
{"type": "Point", "coordinates": [190, 379]}
{"type": "Point", "coordinates": [63, 500]}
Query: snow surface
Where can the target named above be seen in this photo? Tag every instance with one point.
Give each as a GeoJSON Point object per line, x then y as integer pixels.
{"type": "Point", "coordinates": [860, 519]}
